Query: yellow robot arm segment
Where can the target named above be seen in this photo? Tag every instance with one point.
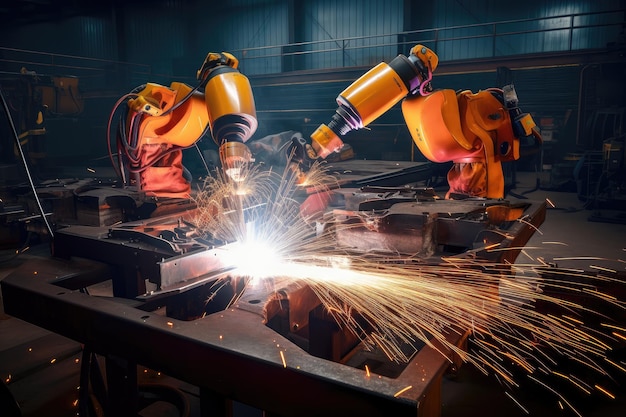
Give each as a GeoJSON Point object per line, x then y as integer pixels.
{"type": "Point", "coordinates": [373, 94]}
{"type": "Point", "coordinates": [435, 125]}
{"type": "Point", "coordinates": [181, 127]}
{"type": "Point", "coordinates": [473, 130]}
{"type": "Point", "coordinates": [231, 107]}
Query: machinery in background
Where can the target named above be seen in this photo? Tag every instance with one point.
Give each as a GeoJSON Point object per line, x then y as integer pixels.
{"type": "Point", "coordinates": [476, 131]}
{"type": "Point", "coordinates": [32, 98]}
{"type": "Point", "coordinates": [28, 99]}
{"type": "Point", "coordinates": [599, 173]}
{"type": "Point", "coordinates": [604, 177]}
{"type": "Point", "coordinates": [158, 122]}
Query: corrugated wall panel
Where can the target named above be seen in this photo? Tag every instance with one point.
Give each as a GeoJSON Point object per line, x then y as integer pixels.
{"type": "Point", "coordinates": [253, 30]}
{"type": "Point", "coordinates": [173, 36]}
{"type": "Point", "coordinates": [477, 42]}
{"type": "Point", "coordinates": [556, 35]}
{"type": "Point", "coordinates": [596, 37]}
{"type": "Point", "coordinates": [549, 91]}
{"type": "Point", "coordinates": [156, 36]}
{"type": "Point", "coordinates": [332, 24]}
{"type": "Point", "coordinates": [81, 46]}
{"type": "Point", "coordinates": [88, 36]}
{"type": "Point", "coordinates": [97, 37]}
{"type": "Point", "coordinates": [466, 12]}
{"type": "Point", "coordinates": [53, 37]}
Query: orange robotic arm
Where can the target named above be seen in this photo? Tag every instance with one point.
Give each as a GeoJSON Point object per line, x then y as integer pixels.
{"type": "Point", "coordinates": [374, 93]}
{"type": "Point", "coordinates": [475, 131]}
{"type": "Point", "coordinates": [232, 112]}
{"type": "Point", "coordinates": [162, 121]}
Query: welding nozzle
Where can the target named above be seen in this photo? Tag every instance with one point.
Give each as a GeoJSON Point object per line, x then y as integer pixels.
{"type": "Point", "coordinates": [325, 141]}
{"type": "Point", "coordinates": [235, 156]}
{"type": "Point", "coordinates": [300, 157]}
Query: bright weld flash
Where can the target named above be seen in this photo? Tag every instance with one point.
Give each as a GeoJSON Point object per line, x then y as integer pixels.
{"type": "Point", "coordinates": [254, 259]}
{"type": "Point", "coordinates": [259, 260]}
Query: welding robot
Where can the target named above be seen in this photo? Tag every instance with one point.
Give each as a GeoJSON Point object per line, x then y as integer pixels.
{"type": "Point", "coordinates": [475, 131]}
{"type": "Point", "coordinates": [160, 121]}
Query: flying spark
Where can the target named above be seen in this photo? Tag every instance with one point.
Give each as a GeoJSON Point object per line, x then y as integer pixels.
{"type": "Point", "coordinates": [391, 301]}
{"type": "Point", "coordinates": [402, 391]}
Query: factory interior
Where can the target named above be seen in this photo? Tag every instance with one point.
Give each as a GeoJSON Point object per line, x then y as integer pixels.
{"type": "Point", "coordinates": [312, 208]}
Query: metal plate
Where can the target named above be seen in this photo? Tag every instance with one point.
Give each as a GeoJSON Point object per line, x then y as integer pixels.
{"type": "Point", "coordinates": [230, 353]}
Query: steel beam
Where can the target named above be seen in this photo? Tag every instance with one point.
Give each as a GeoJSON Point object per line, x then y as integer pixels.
{"type": "Point", "coordinates": [230, 353]}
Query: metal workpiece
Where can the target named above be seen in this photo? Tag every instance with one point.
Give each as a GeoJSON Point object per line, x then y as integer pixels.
{"type": "Point", "coordinates": [178, 306]}
{"type": "Point", "coordinates": [230, 353]}
{"type": "Point", "coordinates": [397, 222]}
{"type": "Point", "coordinates": [180, 272]}
{"type": "Point", "coordinates": [142, 251]}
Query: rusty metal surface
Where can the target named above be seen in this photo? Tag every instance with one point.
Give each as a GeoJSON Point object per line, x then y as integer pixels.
{"type": "Point", "coordinates": [358, 173]}
{"type": "Point", "coordinates": [198, 264]}
{"type": "Point", "coordinates": [164, 250]}
{"type": "Point", "coordinates": [263, 350]}
{"type": "Point", "coordinates": [230, 352]}
{"type": "Point", "coordinates": [400, 224]}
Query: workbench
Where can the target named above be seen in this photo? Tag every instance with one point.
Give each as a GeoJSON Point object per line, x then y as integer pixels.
{"type": "Point", "coordinates": [232, 352]}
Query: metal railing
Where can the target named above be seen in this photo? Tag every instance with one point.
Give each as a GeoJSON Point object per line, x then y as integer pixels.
{"type": "Point", "coordinates": [563, 33]}
{"type": "Point", "coordinates": [98, 73]}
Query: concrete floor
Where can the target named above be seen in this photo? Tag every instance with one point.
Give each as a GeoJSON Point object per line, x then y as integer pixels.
{"type": "Point", "coordinates": [41, 369]}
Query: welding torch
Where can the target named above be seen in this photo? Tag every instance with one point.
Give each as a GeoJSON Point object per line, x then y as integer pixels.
{"type": "Point", "coordinates": [231, 110]}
